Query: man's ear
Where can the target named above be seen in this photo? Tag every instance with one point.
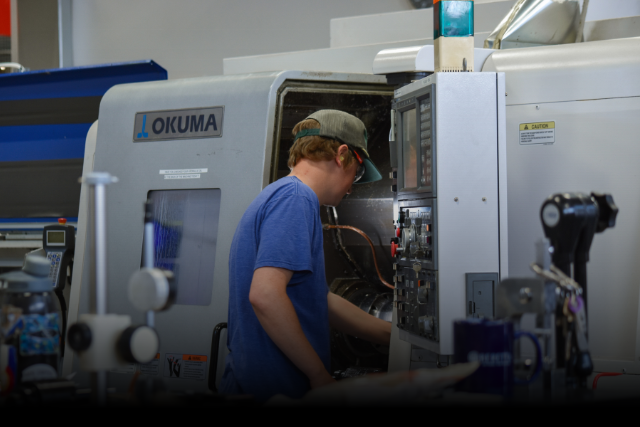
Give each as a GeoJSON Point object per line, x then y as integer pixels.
{"type": "Point", "coordinates": [342, 153]}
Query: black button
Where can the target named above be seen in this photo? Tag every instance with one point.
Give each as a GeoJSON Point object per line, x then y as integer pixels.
{"type": "Point", "coordinates": [79, 337]}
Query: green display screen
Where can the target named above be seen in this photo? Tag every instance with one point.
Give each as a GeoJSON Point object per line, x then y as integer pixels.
{"type": "Point", "coordinates": [55, 237]}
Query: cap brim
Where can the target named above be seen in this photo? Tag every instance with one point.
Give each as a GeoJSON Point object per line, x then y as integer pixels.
{"type": "Point", "coordinates": [371, 173]}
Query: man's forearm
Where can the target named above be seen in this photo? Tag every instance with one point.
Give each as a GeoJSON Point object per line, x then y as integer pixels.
{"type": "Point", "coordinates": [278, 317]}
{"type": "Point", "coordinates": [349, 319]}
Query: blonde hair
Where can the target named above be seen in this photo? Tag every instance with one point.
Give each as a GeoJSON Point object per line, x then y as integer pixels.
{"type": "Point", "coordinates": [315, 147]}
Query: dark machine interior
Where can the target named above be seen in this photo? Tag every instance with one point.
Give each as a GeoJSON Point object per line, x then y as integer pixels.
{"type": "Point", "coordinates": [349, 262]}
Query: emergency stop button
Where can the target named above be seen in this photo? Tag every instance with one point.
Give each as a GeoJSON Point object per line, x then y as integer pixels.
{"type": "Point", "coordinates": [62, 221]}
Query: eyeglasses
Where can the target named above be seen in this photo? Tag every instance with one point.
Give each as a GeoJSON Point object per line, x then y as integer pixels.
{"type": "Point", "coordinates": [361, 169]}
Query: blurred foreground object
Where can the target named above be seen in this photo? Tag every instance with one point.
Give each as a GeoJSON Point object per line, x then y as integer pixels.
{"type": "Point", "coordinates": [402, 388]}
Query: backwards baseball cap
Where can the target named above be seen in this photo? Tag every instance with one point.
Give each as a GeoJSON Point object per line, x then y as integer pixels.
{"type": "Point", "coordinates": [347, 129]}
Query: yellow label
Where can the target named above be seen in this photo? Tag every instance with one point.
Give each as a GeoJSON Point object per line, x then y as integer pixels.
{"type": "Point", "coordinates": [537, 126]}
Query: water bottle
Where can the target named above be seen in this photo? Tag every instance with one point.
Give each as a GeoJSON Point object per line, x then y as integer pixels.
{"type": "Point", "coordinates": [30, 330]}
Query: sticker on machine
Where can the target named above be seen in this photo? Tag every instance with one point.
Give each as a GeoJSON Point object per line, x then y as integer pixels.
{"type": "Point", "coordinates": [185, 366]}
{"type": "Point", "coordinates": [537, 133]}
{"type": "Point", "coordinates": [183, 176]}
{"type": "Point", "coordinates": [129, 368]}
{"type": "Point", "coordinates": [152, 368]}
{"type": "Point", "coordinates": [182, 171]}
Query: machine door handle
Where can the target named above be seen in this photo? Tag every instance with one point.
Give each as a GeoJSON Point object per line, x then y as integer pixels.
{"type": "Point", "coordinates": [215, 346]}
{"type": "Point", "coordinates": [472, 307]}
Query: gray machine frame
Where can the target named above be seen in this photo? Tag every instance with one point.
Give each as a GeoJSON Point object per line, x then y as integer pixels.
{"type": "Point", "coordinates": [241, 162]}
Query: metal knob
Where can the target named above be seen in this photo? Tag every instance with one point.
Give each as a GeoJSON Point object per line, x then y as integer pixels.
{"type": "Point", "coordinates": [608, 211]}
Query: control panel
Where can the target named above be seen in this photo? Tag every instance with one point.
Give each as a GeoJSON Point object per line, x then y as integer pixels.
{"type": "Point", "coordinates": [449, 191]}
{"type": "Point", "coordinates": [415, 236]}
{"type": "Point", "coordinates": [59, 242]}
{"type": "Point", "coordinates": [417, 301]}
{"type": "Point", "coordinates": [415, 252]}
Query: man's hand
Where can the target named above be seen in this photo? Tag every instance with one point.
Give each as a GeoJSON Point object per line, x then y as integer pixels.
{"type": "Point", "coordinates": [321, 380]}
{"type": "Point", "coordinates": [275, 312]}
{"type": "Point", "coordinates": [349, 319]}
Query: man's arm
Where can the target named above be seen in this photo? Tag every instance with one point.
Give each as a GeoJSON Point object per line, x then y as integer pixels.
{"type": "Point", "coordinates": [269, 299]}
{"type": "Point", "coordinates": [349, 319]}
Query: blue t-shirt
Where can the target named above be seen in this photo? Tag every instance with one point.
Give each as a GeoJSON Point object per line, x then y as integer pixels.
{"type": "Point", "coordinates": [281, 228]}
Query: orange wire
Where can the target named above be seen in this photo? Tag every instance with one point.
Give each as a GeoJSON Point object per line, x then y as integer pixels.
{"type": "Point", "coordinates": [373, 249]}
{"type": "Point", "coordinates": [132, 384]}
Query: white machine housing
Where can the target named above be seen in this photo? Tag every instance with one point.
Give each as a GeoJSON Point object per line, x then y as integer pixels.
{"type": "Point", "coordinates": [450, 133]}
{"type": "Point", "coordinates": [591, 92]}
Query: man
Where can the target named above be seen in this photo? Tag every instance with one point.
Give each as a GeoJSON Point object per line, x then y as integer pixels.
{"type": "Point", "coordinates": [280, 307]}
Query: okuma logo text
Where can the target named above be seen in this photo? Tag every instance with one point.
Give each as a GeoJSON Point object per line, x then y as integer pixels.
{"type": "Point", "coordinates": [167, 125]}
{"type": "Point", "coordinates": [179, 124]}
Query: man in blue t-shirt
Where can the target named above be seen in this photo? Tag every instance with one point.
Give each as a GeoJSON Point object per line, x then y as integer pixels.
{"type": "Point", "coordinates": [280, 307]}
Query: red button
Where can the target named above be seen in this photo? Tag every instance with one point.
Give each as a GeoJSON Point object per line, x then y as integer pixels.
{"type": "Point", "coordinates": [398, 232]}
{"type": "Point", "coordinates": [393, 249]}
{"type": "Point", "coordinates": [62, 221]}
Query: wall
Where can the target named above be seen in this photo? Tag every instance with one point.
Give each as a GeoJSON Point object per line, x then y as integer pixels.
{"type": "Point", "coordinates": [609, 9]}
{"type": "Point", "coordinates": [191, 37]}
{"type": "Point", "coordinates": [36, 44]}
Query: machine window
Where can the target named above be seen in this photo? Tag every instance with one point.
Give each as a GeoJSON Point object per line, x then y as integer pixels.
{"type": "Point", "coordinates": [409, 149]}
{"type": "Point", "coordinates": [186, 232]}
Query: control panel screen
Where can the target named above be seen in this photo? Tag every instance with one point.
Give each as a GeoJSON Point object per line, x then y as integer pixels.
{"type": "Point", "coordinates": [186, 233]}
{"type": "Point", "coordinates": [409, 149]}
{"type": "Point", "coordinates": [55, 237]}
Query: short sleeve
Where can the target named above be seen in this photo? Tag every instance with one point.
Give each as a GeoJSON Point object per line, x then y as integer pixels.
{"type": "Point", "coordinates": [285, 234]}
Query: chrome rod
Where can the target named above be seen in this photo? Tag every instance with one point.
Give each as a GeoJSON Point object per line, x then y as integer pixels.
{"type": "Point", "coordinates": [98, 208]}
{"type": "Point", "coordinates": [97, 182]}
{"type": "Point", "coordinates": [148, 245]}
{"type": "Point", "coordinates": [100, 237]}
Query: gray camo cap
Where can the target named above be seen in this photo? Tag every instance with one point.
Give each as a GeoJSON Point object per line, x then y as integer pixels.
{"type": "Point", "coordinates": [348, 129]}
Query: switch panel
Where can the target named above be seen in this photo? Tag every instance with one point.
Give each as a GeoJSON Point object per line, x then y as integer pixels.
{"type": "Point", "coordinates": [416, 231]}
{"type": "Point", "coordinates": [417, 303]}
{"type": "Point", "coordinates": [481, 290]}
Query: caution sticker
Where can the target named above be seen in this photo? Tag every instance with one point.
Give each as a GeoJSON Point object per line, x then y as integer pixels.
{"type": "Point", "coordinates": [185, 366]}
{"type": "Point", "coordinates": [152, 368]}
{"type": "Point", "coordinates": [537, 133]}
{"type": "Point", "coordinates": [129, 368]}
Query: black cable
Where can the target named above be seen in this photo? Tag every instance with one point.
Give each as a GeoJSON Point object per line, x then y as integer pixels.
{"type": "Point", "coordinates": [63, 309]}
{"type": "Point", "coordinates": [580, 276]}
{"type": "Point", "coordinates": [215, 347]}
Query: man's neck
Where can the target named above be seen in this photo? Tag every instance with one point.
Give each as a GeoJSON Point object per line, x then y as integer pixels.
{"type": "Point", "coordinates": [316, 175]}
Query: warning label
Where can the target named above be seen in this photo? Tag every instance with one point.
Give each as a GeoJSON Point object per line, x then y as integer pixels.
{"type": "Point", "coordinates": [537, 133]}
{"type": "Point", "coordinates": [152, 368]}
{"type": "Point", "coordinates": [129, 368]}
{"type": "Point", "coordinates": [185, 366]}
